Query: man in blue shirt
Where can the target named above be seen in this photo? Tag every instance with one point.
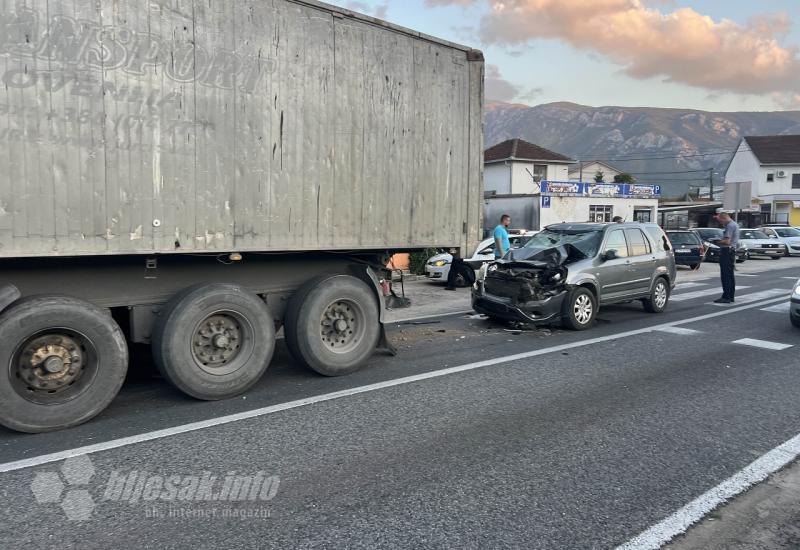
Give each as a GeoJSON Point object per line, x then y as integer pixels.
{"type": "Point", "coordinates": [727, 257]}
{"type": "Point", "coordinates": [501, 242]}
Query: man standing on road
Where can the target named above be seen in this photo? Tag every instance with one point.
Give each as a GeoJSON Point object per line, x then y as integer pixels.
{"type": "Point", "coordinates": [501, 241]}
{"type": "Point", "coordinates": [727, 257]}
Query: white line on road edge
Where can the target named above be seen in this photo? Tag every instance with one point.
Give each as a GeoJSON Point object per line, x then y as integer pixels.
{"type": "Point", "coordinates": [219, 421]}
{"type": "Point", "coordinates": [679, 522]}
{"type": "Point", "coordinates": [763, 344]}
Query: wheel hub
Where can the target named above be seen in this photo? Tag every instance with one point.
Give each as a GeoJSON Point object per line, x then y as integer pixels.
{"type": "Point", "coordinates": [340, 326]}
{"type": "Point", "coordinates": [50, 362]}
{"type": "Point", "coordinates": [217, 341]}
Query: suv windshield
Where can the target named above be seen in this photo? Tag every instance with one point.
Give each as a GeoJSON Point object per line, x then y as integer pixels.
{"type": "Point", "coordinates": [586, 242]}
{"type": "Point", "coordinates": [789, 232]}
{"type": "Point", "coordinates": [752, 235]}
{"type": "Point", "coordinates": [683, 238]}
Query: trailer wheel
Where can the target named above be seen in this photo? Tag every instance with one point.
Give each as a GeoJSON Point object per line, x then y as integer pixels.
{"type": "Point", "coordinates": [64, 360]}
{"type": "Point", "coordinates": [214, 341]}
{"type": "Point", "coordinates": [332, 324]}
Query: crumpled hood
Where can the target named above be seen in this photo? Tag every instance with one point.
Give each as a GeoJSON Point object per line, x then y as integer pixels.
{"type": "Point", "coordinates": [546, 257]}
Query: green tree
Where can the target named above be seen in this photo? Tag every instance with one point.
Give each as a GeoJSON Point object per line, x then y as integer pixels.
{"type": "Point", "coordinates": [624, 178]}
{"type": "Point", "coordinates": [599, 177]}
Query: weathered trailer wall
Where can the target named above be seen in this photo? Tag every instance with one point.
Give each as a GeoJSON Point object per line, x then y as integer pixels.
{"type": "Point", "coordinates": [132, 126]}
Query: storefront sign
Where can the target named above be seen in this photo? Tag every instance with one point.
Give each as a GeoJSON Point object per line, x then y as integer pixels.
{"type": "Point", "coordinates": [610, 190]}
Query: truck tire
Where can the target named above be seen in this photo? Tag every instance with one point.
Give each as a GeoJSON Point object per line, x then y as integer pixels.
{"type": "Point", "coordinates": [214, 341]}
{"type": "Point", "coordinates": [332, 324]}
{"type": "Point", "coordinates": [659, 298]}
{"type": "Point", "coordinates": [64, 361]}
{"type": "Point", "coordinates": [8, 295]}
{"type": "Point", "coordinates": [580, 309]}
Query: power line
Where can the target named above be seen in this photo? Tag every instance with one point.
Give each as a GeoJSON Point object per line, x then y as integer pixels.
{"type": "Point", "coordinates": [667, 173]}
{"type": "Point", "coordinates": [680, 156]}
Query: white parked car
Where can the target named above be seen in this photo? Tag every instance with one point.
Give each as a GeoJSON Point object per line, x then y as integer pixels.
{"type": "Point", "coordinates": [438, 267]}
{"type": "Point", "coordinates": [757, 243]}
{"type": "Point", "coordinates": [789, 236]}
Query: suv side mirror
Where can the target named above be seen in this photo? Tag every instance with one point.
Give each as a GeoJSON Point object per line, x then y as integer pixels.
{"type": "Point", "coordinates": [610, 255]}
{"type": "Point", "coordinates": [489, 250]}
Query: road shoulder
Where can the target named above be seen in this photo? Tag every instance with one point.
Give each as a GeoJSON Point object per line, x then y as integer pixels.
{"type": "Point", "coordinates": [767, 516]}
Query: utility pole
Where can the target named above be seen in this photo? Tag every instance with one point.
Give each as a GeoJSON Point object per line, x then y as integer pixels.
{"type": "Point", "coordinates": [711, 183]}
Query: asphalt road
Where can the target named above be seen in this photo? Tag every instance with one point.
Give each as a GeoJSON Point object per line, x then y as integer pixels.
{"type": "Point", "coordinates": [585, 440]}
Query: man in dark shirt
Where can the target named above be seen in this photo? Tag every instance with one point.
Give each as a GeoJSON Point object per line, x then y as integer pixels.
{"type": "Point", "coordinates": [727, 257]}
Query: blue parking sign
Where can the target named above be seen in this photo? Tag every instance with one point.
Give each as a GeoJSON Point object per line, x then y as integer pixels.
{"type": "Point", "coordinates": [546, 201]}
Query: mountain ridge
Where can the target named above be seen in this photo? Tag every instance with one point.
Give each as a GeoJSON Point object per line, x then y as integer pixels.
{"type": "Point", "coordinates": [612, 134]}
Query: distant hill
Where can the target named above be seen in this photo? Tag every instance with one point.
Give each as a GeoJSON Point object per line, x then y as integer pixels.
{"type": "Point", "coordinates": [609, 133]}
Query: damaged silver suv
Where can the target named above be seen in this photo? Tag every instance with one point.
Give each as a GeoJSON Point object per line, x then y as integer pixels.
{"type": "Point", "coordinates": [569, 270]}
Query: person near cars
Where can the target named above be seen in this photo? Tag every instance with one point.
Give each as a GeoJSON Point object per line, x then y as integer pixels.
{"type": "Point", "coordinates": [455, 269]}
{"type": "Point", "coordinates": [727, 247]}
{"type": "Point", "coordinates": [617, 219]}
{"type": "Point", "coordinates": [502, 243]}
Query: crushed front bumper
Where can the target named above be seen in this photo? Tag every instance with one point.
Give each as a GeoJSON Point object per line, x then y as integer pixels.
{"type": "Point", "coordinates": [540, 311]}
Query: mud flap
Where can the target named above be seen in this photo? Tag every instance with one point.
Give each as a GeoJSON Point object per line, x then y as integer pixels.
{"type": "Point", "coordinates": [384, 345]}
{"type": "Point", "coordinates": [8, 295]}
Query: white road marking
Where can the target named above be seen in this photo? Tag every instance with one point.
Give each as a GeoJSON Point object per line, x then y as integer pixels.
{"type": "Point", "coordinates": [700, 294]}
{"type": "Point", "coordinates": [780, 308]}
{"type": "Point", "coordinates": [679, 522]}
{"type": "Point", "coordinates": [763, 344]}
{"type": "Point", "coordinates": [745, 274]}
{"type": "Point", "coordinates": [756, 296]}
{"type": "Point", "coordinates": [684, 286]}
{"type": "Point", "coordinates": [255, 413]}
{"type": "Point", "coordinates": [680, 331]}
{"type": "Point", "coordinates": [790, 278]}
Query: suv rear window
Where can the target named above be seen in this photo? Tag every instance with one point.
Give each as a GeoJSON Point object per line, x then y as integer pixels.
{"type": "Point", "coordinates": [683, 238]}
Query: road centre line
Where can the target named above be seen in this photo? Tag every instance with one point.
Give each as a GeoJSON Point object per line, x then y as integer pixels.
{"type": "Point", "coordinates": [680, 331]}
{"type": "Point", "coordinates": [679, 522]}
{"type": "Point", "coordinates": [763, 344]}
{"type": "Point", "coordinates": [246, 415]}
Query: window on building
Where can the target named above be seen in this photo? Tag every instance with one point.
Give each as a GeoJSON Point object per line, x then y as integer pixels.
{"type": "Point", "coordinates": [643, 215]}
{"type": "Point", "coordinates": [638, 242]}
{"type": "Point", "coordinates": [540, 171]}
{"type": "Point", "coordinates": [771, 177]}
{"type": "Point", "coordinates": [616, 241]}
{"type": "Point", "coordinates": [795, 181]}
{"type": "Point", "coordinates": [600, 213]}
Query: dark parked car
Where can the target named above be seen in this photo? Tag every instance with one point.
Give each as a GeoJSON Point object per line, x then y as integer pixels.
{"type": "Point", "coordinates": [568, 271]}
{"type": "Point", "coordinates": [688, 247]}
{"type": "Point", "coordinates": [707, 234]}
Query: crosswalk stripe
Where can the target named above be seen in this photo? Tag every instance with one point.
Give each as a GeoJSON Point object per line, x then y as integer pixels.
{"type": "Point", "coordinates": [679, 330]}
{"type": "Point", "coordinates": [745, 275]}
{"type": "Point", "coordinates": [756, 296]}
{"type": "Point", "coordinates": [763, 344]}
{"type": "Point", "coordinates": [790, 278]}
{"type": "Point", "coordinates": [684, 286]}
{"type": "Point", "coordinates": [699, 294]}
{"type": "Point", "coordinates": [779, 308]}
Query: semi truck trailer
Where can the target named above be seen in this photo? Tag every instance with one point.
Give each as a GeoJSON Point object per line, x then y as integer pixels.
{"type": "Point", "coordinates": [194, 176]}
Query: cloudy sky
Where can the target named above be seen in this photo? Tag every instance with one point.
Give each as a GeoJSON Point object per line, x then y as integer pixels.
{"type": "Point", "coordinates": [719, 55]}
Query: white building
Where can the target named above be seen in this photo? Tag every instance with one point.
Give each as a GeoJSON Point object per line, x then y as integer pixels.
{"type": "Point", "coordinates": [515, 167]}
{"type": "Point", "coordinates": [764, 175]}
{"type": "Point", "coordinates": [586, 171]}
{"type": "Point", "coordinates": [531, 184]}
